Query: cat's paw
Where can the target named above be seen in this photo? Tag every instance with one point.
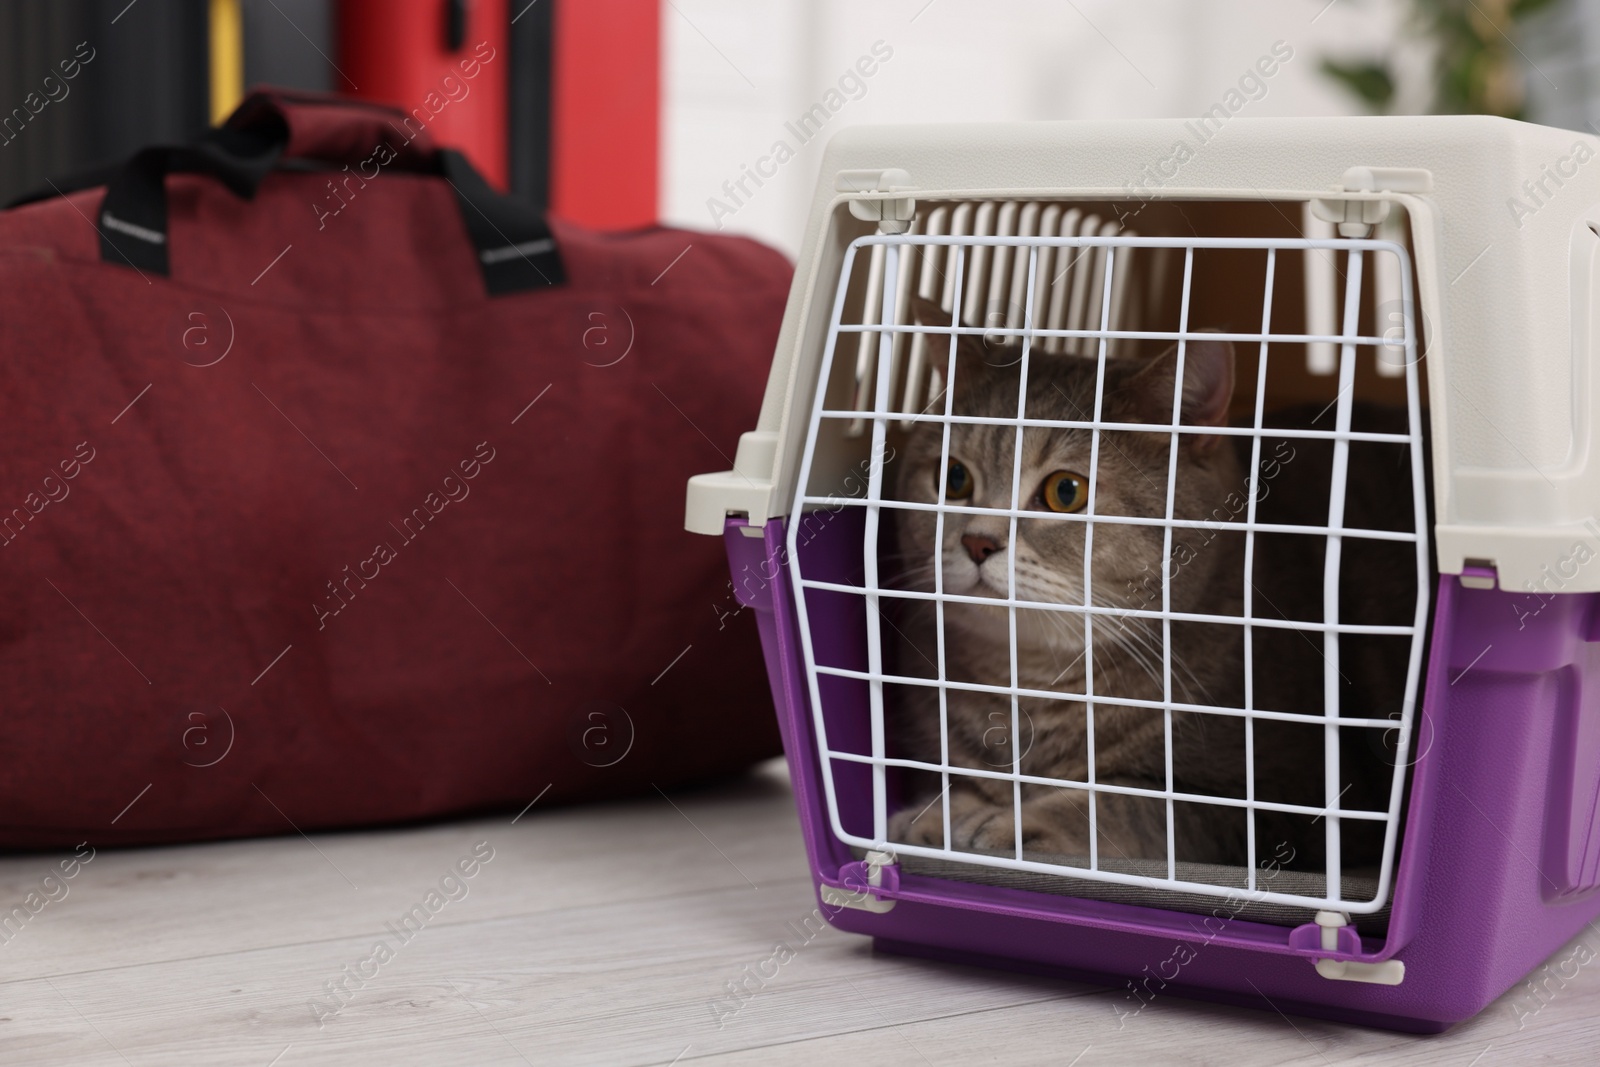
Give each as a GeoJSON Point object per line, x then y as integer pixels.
{"type": "Point", "coordinates": [1043, 834]}
{"type": "Point", "coordinates": [987, 828]}
{"type": "Point", "coordinates": [977, 824]}
{"type": "Point", "coordinates": [923, 825]}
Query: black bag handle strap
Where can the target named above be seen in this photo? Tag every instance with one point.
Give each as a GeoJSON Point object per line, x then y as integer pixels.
{"type": "Point", "coordinates": [512, 242]}
{"type": "Point", "coordinates": [514, 245]}
{"type": "Point", "coordinates": [133, 213]}
{"type": "Point", "coordinates": [207, 153]}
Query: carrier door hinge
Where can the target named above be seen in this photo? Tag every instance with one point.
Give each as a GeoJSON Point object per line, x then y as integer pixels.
{"type": "Point", "coordinates": [859, 879]}
{"type": "Point", "coordinates": [886, 204]}
{"type": "Point", "coordinates": [1332, 932]}
{"type": "Point", "coordinates": [1355, 216]}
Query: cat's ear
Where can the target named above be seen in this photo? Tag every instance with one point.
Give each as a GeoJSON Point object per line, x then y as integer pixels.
{"type": "Point", "coordinates": [925, 312]}
{"type": "Point", "coordinates": [969, 346]}
{"type": "Point", "coordinates": [1207, 387]}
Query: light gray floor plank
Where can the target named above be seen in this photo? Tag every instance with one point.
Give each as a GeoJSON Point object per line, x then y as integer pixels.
{"type": "Point", "coordinates": [239, 895]}
{"type": "Point", "coordinates": [596, 935]}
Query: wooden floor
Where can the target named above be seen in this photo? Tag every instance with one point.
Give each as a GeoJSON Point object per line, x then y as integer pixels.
{"type": "Point", "coordinates": [594, 935]}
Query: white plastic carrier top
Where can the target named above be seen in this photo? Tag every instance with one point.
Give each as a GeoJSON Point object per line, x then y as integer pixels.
{"type": "Point", "coordinates": [1502, 219]}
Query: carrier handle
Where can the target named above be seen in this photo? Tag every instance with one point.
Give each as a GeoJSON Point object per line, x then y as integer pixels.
{"type": "Point", "coordinates": [273, 129]}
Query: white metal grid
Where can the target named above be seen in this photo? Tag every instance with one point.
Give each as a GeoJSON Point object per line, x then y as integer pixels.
{"type": "Point", "coordinates": [879, 325]}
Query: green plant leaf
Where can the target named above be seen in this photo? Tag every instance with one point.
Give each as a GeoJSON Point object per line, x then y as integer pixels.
{"type": "Point", "coordinates": [1370, 80]}
{"type": "Point", "coordinates": [1519, 8]}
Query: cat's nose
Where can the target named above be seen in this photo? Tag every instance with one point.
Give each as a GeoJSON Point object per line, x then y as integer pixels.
{"type": "Point", "coordinates": [979, 547]}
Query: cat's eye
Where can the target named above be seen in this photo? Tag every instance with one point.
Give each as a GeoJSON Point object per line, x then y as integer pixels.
{"type": "Point", "coordinates": [1065, 491]}
{"type": "Point", "coordinates": [958, 484]}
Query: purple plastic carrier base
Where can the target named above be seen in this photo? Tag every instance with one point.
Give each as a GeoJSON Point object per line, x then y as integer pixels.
{"type": "Point", "coordinates": [1498, 865]}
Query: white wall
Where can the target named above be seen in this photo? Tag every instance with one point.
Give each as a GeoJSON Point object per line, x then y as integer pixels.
{"type": "Point", "coordinates": [1560, 46]}
{"type": "Point", "coordinates": [736, 70]}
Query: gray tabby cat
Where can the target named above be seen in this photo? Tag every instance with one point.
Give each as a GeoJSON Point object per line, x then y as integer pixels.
{"type": "Point", "coordinates": [1055, 650]}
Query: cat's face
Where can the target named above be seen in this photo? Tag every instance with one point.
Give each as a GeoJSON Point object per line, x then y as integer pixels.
{"type": "Point", "coordinates": [981, 556]}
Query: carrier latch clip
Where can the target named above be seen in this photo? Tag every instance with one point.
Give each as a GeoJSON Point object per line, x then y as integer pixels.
{"type": "Point", "coordinates": [887, 204]}
{"type": "Point", "coordinates": [1355, 217]}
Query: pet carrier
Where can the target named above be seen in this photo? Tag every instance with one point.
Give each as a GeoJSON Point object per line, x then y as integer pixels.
{"type": "Point", "coordinates": [1410, 305]}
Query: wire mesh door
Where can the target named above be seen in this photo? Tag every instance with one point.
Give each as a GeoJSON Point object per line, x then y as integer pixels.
{"type": "Point", "coordinates": [899, 371]}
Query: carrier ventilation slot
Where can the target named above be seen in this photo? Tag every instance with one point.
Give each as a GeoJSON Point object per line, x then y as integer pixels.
{"type": "Point", "coordinates": [1066, 294]}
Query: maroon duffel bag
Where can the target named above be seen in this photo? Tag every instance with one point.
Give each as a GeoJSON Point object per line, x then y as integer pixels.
{"type": "Point", "coordinates": [340, 489]}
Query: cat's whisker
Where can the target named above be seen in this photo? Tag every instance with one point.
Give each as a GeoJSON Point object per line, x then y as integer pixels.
{"type": "Point", "coordinates": [1141, 656]}
{"type": "Point", "coordinates": [1184, 678]}
{"type": "Point", "coordinates": [1134, 639]}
